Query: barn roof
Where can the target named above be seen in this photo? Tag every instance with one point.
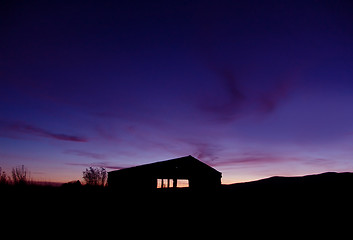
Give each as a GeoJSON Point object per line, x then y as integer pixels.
{"type": "Point", "coordinates": [184, 166]}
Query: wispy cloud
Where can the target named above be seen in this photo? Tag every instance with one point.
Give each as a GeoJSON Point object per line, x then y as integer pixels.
{"type": "Point", "coordinates": [320, 162]}
{"type": "Point", "coordinates": [201, 149]}
{"type": "Point", "coordinates": [240, 96]}
{"type": "Point", "coordinates": [107, 165]}
{"type": "Point", "coordinates": [271, 99]}
{"type": "Point", "coordinates": [250, 158]}
{"type": "Point", "coordinates": [85, 154]}
{"type": "Point", "coordinates": [225, 106]}
{"type": "Point", "coordinates": [28, 129]}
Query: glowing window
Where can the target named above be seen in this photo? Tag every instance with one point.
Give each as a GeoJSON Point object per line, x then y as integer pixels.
{"type": "Point", "coordinates": [164, 183]}
{"type": "Point", "coordinates": [182, 183]}
{"type": "Point", "coordinates": [169, 183]}
{"type": "Point", "coordinates": [159, 183]}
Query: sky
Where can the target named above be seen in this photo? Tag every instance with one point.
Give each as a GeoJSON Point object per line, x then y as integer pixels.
{"type": "Point", "coordinates": [252, 88]}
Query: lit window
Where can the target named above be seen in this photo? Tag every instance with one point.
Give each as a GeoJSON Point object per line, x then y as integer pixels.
{"type": "Point", "coordinates": [159, 183]}
{"type": "Point", "coordinates": [164, 183]}
{"type": "Point", "coordinates": [182, 183]}
{"type": "Point", "coordinates": [169, 183]}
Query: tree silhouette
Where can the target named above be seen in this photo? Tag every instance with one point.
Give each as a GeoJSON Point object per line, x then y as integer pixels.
{"type": "Point", "coordinates": [95, 176]}
{"type": "Point", "coordinates": [4, 179]}
{"type": "Point", "coordinates": [20, 175]}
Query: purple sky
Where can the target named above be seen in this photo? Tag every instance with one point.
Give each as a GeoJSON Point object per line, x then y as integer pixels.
{"type": "Point", "coordinates": [252, 88]}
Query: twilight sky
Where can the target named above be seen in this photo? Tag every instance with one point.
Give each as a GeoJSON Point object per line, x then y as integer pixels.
{"type": "Point", "coordinates": [252, 88]}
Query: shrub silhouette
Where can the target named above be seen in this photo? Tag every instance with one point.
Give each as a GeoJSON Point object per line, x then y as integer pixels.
{"type": "Point", "coordinates": [95, 176]}
{"type": "Point", "coordinates": [20, 175]}
{"type": "Point", "coordinates": [4, 179]}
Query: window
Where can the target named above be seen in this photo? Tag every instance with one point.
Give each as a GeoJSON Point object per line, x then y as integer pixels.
{"type": "Point", "coordinates": [182, 183]}
{"type": "Point", "coordinates": [164, 183]}
{"type": "Point", "coordinates": [169, 183]}
{"type": "Point", "coordinates": [159, 183]}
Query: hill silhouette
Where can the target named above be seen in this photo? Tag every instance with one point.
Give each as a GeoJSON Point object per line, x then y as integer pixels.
{"type": "Point", "coordinates": [329, 186]}
{"type": "Point", "coordinates": [329, 181]}
{"type": "Point", "coordinates": [317, 196]}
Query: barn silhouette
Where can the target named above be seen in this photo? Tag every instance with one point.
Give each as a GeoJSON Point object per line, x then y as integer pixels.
{"type": "Point", "coordinates": [170, 174]}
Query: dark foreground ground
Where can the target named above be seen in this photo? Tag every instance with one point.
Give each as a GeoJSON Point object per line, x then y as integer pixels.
{"type": "Point", "coordinates": [315, 204]}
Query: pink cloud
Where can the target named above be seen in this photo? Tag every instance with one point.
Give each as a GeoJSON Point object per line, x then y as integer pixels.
{"type": "Point", "coordinates": [24, 128]}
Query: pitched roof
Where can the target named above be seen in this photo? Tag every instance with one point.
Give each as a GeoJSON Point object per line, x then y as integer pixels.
{"type": "Point", "coordinates": [183, 166]}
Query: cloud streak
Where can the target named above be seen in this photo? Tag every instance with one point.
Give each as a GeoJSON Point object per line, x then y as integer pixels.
{"type": "Point", "coordinates": [250, 159]}
{"type": "Point", "coordinates": [85, 154]}
{"type": "Point", "coordinates": [201, 149]}
{"type": "Point", "coordinates": [24, 128]}
{"type": "Point", "coordinates": [107, 165]}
